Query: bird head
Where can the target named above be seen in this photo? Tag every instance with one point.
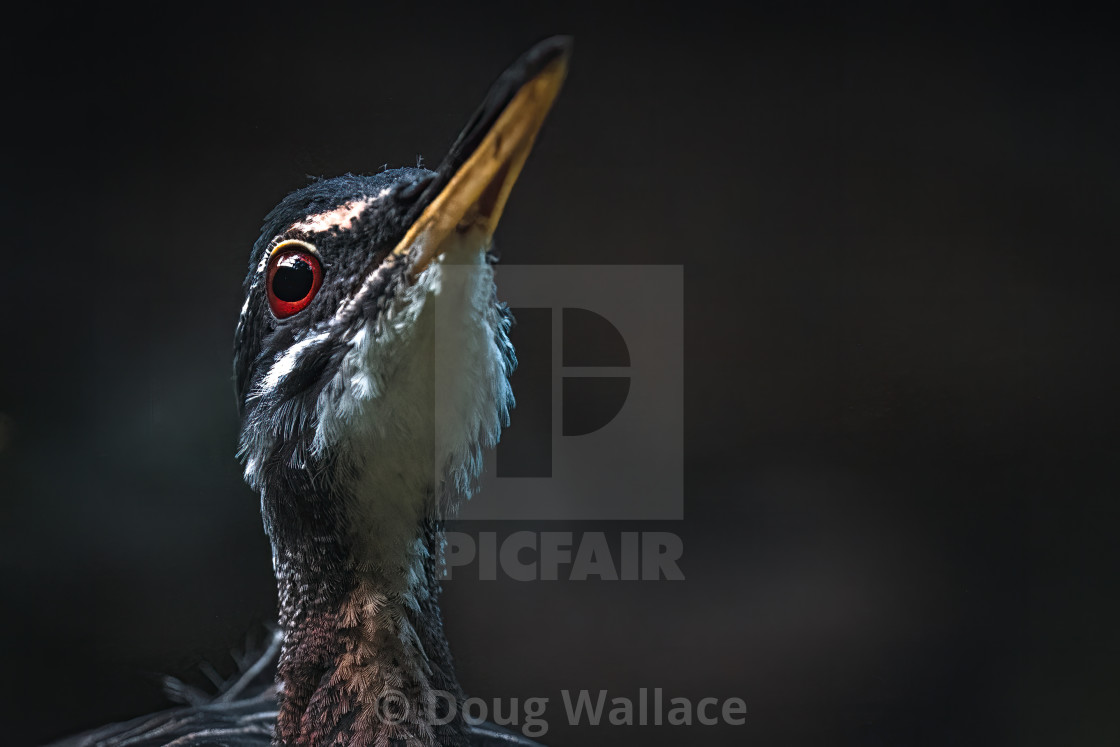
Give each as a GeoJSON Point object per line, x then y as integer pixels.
{"type": "Point", "coordinates": [372, 355]}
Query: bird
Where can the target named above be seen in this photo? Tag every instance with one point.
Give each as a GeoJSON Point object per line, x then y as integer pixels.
{"type": "Point", "coordinates": [371, 362]}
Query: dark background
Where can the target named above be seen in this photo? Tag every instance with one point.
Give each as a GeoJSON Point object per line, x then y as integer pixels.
{"type": "Point", "coordinates": [899, 239]}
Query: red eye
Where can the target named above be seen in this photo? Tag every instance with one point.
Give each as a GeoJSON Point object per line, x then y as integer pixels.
{"type": "Point", "coordinates": [294, 277]}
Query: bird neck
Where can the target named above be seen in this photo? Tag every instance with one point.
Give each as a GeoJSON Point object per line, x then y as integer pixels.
{"type": "Point", "coordinates": [365, 660]}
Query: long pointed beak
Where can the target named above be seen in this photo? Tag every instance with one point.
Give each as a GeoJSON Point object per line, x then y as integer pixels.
{"type": "Point", "coordinates": [472, 185]}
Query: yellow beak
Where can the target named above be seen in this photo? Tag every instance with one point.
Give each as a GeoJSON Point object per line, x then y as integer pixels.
{"type": "Point", "coordinates": [476, 194]}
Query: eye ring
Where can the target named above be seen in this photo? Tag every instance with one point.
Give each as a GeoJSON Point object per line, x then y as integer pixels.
{"type": "Point", "coordinates": [293, 277]}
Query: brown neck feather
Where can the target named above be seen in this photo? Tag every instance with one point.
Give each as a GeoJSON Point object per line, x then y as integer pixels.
{"type": "Point", "coordinates": [365, 660]}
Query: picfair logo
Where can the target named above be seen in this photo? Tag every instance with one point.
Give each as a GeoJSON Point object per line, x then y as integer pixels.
{"type": "Point", "coordinates": [598, 427]}
{"type": "Point", "coordinates": [594, 384]}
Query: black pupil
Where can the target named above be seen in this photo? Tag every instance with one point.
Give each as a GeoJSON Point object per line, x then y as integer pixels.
{"type": "Point", "coordinates": [293, 279]}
